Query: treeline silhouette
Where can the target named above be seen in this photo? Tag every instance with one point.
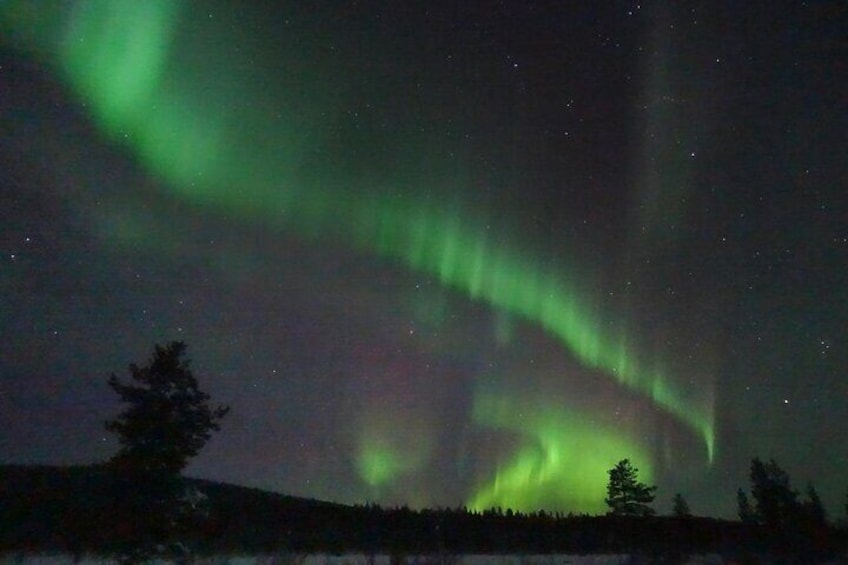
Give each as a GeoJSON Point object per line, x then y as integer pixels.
{"type": "Point", "coordinates": [78, 510]}
{"type": "Point", "coordinates": [138, 506]}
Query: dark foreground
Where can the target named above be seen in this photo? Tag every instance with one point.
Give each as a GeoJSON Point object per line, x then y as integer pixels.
{"type": "Point", "coordinates": [82, 511]}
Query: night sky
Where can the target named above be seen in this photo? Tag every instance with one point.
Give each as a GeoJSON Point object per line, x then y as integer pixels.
{"type": "Point", "coordinates": [435, 253]}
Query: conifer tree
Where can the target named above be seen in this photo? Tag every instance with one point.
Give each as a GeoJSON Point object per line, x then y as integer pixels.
{"type": "Point", "coordinates": [813, 508]}
{"type": "Point", "coordinates": [775, 499]}
{"type": "Point", "coordinates": [626, 496]}
{"type": "Point", "coordinates": [746, 512]}
{"type": "Point", "coordinates": [679, 507]}
{"type": "Point", "coordinates": [167, 421]}
{"type": "Point", "coordinates": [168, 418]}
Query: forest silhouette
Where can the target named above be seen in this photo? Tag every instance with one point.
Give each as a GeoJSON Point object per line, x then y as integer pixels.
{"type": "Point", "coordinates": [139, 506]}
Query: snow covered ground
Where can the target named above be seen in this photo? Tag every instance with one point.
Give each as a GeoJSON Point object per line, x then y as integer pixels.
{"type": "Point", "coordinates": [383, 559]}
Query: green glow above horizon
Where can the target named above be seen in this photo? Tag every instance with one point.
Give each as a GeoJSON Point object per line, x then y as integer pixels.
{"type": "Point", "coordinates": [561, 462]}
{"type": "Point", "coordinates": [121, 58]}
{"type": "Point", "coordinates": [388, 450]}
{"type": "Point", "coordinates": [378, 465]}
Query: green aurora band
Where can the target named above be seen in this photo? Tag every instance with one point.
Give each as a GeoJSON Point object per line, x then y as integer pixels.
{"type": "Point", "coordinates": [120, 58]}
{"type": "Point", "coordinates": [566, 459]}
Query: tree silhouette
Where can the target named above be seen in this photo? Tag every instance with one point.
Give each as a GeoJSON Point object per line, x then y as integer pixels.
{"type": "Point", "coordinates": [746, 512]}
{"type": "Point", "coordinates": [168, 419]}
{"type": "Point", "coordinates": [626, 496]}
{"type": "Point", "coordinates": [679, 507]}
{"type": "Point", "coordinates": [813, 508]}
{"type": "Point", "coordinates": [776, 502]}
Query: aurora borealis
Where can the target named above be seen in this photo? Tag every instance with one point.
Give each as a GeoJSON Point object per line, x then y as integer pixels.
{"type": "Point", "coordinates": [431, 255]}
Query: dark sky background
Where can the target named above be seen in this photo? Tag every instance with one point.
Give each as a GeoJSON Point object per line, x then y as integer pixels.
{"type": "Point", "coordinates": [435, 253]}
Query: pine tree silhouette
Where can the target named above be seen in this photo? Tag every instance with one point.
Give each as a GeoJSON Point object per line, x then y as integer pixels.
{"type": "Point", "coordinates": [626, 496]}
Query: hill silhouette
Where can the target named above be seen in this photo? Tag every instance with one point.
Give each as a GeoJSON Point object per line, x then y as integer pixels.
{"type": "Point", "coordinates": [74, 510]}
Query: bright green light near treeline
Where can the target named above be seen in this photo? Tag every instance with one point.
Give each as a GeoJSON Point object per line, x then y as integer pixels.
{"type": "Point", "coordinates": [562, 461]}
{"type": "Point", "coordinates": [121, 59]}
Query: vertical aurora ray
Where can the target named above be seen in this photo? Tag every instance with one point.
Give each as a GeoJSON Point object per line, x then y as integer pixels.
{"type": "Point", "coordinates": [120, 59]}
{"type": "Point", "coordinates": [467, 260]}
